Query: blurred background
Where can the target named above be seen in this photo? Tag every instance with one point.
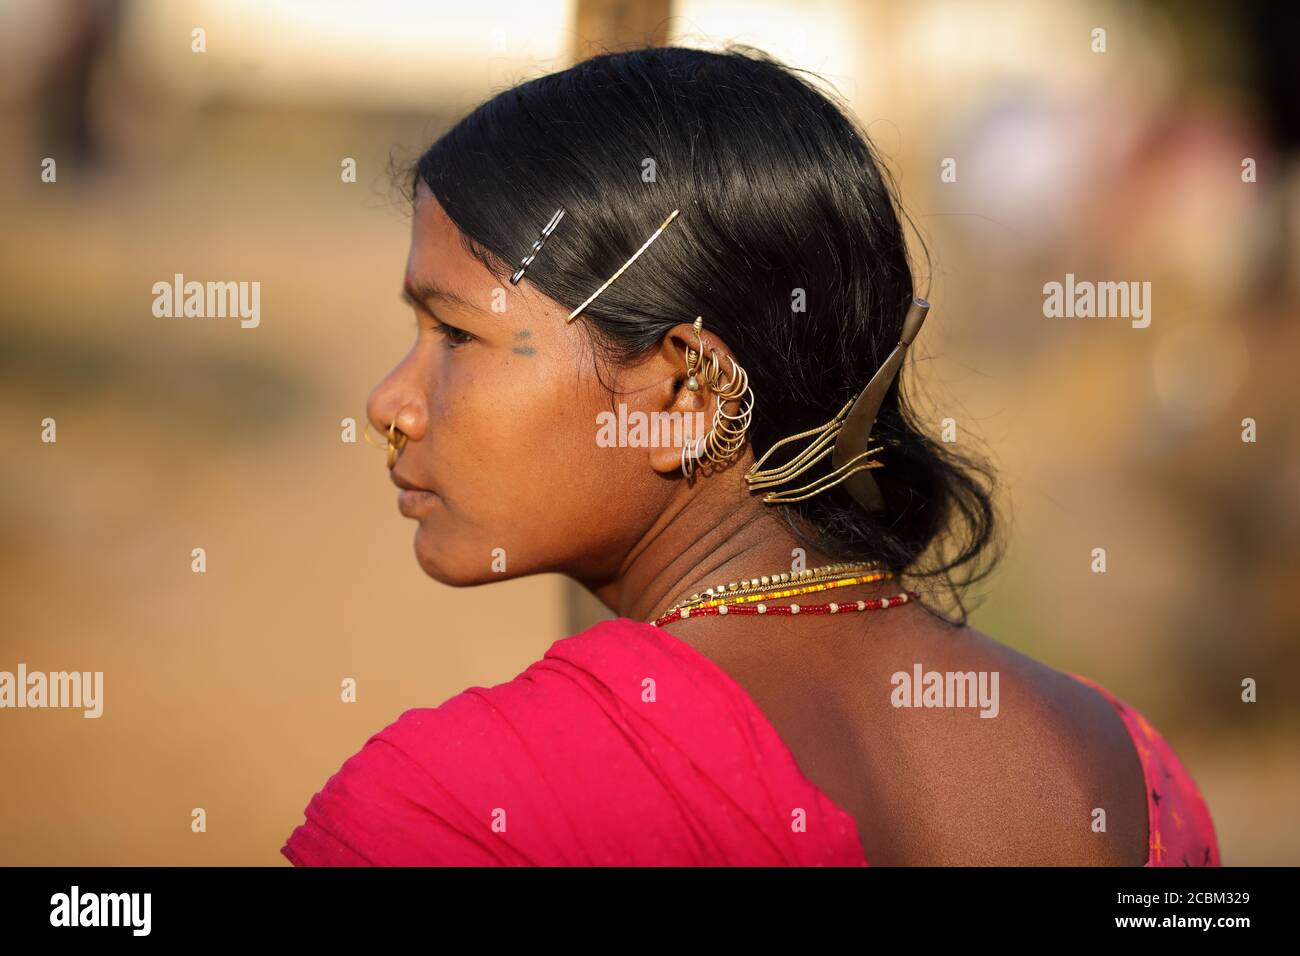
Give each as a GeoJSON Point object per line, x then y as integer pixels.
{"type": "Point", "coordinates": [222, 689]}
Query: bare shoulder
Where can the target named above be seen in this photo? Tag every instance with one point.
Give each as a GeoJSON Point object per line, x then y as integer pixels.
{"type": "Point", "coordinates": [1073, 791]}
{"type": "Point", "coordinates": [947, 746]}
{"type": "Point", "coordinates": [985, 756]}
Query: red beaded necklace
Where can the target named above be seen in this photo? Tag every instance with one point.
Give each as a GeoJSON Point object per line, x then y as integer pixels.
{"type": "Point", "coordinates": [830, 607]}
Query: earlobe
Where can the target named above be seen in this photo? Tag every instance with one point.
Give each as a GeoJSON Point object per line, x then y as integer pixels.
{"type": "Point", "coordinates": [678, 409]}
{"type": "Point", "coordinates": [679, 417]}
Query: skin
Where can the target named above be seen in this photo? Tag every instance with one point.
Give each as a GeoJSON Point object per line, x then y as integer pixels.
{"type": "Point", "coordinates": [501, 429]}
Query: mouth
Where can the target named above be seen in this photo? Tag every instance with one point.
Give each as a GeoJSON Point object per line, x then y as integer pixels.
{"type": "Point", "coordinates": [412, 500]}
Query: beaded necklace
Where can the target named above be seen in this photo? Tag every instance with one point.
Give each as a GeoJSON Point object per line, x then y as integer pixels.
{"type": "Point", "coordinates": [750, 595]}
{"type": "Point", "coordinates": [831, 607]}
{"type": "Point", "coordinates": [754, 585]}
{"type": "Point", "coordinates": [770, 594]}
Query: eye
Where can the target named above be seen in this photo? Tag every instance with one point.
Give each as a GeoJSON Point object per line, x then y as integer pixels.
{"type": "Point", "coordinates": [456, 338]}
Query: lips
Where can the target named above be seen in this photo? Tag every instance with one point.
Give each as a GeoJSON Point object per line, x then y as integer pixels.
{"type": "Point", "coordinates": [403, 483]}
{"type": "Point", "coordinates": [413, 501]}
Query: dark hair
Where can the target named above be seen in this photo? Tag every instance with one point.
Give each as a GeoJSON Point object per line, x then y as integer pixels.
{"type": "Point", "coordinates": [779, 191]}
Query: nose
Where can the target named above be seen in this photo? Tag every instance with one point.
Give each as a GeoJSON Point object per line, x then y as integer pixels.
{"type": "Point", "coordinates": [394, 402]}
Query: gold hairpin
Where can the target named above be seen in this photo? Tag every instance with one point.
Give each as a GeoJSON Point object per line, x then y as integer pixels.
{"type": "Point", "coordinates": [846, 437]}
{"type": "Point", "coordinates": [646, 245]}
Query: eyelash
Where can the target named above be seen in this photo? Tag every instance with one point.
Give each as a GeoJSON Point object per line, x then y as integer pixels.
{"type": "Point", "coordinates": [456, 338]}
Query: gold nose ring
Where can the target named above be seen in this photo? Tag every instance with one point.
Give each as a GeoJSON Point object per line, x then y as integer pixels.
{"type": "Point", "coordinates": [396, 441]}
{"type": "Point", "coordinates": [394, 448]}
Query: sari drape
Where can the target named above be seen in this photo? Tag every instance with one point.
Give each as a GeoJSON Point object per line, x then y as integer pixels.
{"type": "Point", "coordinates": [625, 746]}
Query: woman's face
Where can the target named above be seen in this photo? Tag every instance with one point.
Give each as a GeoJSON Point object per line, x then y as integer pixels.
{"type": "Point", "coordinates": [499, 399]}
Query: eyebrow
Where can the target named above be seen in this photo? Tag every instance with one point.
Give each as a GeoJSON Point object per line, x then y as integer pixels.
{"type": "Point", "coordinates": [420, 293]}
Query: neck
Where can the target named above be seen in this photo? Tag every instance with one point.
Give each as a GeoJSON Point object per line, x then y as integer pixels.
{"type": "Point", "coordinates": [701, 544]}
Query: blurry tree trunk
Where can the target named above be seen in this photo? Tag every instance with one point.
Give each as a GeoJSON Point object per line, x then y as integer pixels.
{"type": "Point", "coordinates": [607, 26]}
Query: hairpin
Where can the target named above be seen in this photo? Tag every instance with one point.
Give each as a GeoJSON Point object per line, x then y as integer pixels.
{"type": "Point", "coordinates": [537, 245]}
{"type": "Point", "coordinates": [845, 437]}
{"type": "Point", "coordinates": [645, 245]}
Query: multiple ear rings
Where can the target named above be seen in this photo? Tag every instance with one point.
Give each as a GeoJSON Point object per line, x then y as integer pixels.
{"type": "Point", "coordinates": [726, 435]}
{"type": "Point", "coordinates": [846, 438]}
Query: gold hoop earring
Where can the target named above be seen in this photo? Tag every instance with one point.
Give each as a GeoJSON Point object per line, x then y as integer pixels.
{"type": "Point", "coordinates": [727, 433]}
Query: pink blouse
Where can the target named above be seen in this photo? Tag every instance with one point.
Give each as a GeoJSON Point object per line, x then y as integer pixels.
{"type": "Point", "coordinates": [624, 745]}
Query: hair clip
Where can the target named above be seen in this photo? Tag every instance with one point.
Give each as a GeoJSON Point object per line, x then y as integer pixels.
{"type": "Point", "coordinates": [845, 437]}
{"type": "Point", "coordinates": [645, 245]}
{"type": "Point", "coordinates": [532, 253]}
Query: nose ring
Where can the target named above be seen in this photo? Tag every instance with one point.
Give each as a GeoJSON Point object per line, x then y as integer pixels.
{"type": "Point", "coordinates": [396, 441]}
{"type": "Point", "coordinates": [394, 447]}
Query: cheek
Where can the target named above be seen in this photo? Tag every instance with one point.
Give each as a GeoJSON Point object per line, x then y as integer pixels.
{"type": "Point", "coordinates": [524, 469]}
{"type": "Point", "coordinates": [508, 448]}
{"type": "Point", "coordinates": [536, 442]}
{"type": "Point", "coordinates": [538, 467]}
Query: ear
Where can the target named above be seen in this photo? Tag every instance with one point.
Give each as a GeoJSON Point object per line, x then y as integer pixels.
{"type": "Point", "coordinates": [689, 413]}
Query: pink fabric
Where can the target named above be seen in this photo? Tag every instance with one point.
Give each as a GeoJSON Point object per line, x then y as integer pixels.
{"type": "Point", "coordinates": [1179, 829]}
{"type": "Point", "coordinates": [623, 745]}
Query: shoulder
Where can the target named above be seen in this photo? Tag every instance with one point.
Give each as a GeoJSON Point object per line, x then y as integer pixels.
{"type": "Point", "coordinates": [1180, 828]}
{"type": "Point", "coordinates": [1113, 759]}
{"type": "Point", "coordinates": [435, 784]}
{"type": "Point", "coordinates": [1060, 777]}
{"type": "Point", "coordinates": [615, 747]}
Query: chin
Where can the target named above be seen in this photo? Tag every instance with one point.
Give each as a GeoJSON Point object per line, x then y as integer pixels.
{"type": "Point", "coordinates": [456, 574]}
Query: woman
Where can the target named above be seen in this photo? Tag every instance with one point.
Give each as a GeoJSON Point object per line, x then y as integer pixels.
{"type": "Point", "coordinates": [770, 692]}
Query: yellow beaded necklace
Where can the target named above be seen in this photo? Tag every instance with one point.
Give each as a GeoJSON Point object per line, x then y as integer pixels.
{"type": "Point", "coordinates": [803, 582]}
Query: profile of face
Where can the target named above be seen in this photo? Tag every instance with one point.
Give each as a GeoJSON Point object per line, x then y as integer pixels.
{"type": "Point", "coordinates": [500, 399]}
